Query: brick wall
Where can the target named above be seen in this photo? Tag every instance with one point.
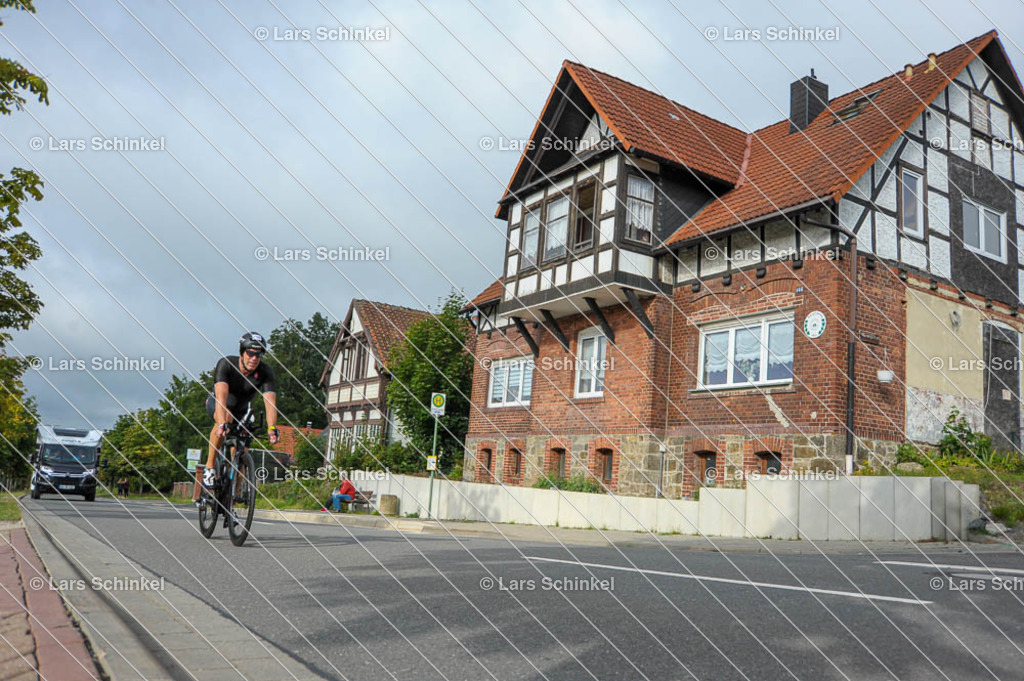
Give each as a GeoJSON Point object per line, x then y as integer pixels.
{"type": "Point", "coordinates": [651, 403]}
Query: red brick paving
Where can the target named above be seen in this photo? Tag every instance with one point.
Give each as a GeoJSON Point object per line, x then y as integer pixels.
{"type": "Point", "coordinates": [46, 645]}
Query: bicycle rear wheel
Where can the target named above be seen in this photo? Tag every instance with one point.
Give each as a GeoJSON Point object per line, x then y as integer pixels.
{"type": "Point", "coordinates": [243, 499]}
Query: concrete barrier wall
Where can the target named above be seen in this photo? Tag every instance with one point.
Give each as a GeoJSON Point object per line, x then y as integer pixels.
{"type": "Point", "coordinates": [855, 508]}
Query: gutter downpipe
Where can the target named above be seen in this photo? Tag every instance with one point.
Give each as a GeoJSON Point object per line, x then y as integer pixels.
{"type": "Point", "coordinates": [851, 344]}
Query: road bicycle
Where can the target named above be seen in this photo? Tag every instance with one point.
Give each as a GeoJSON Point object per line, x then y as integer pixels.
{"type": "Point", "coordinates": [233, 495]}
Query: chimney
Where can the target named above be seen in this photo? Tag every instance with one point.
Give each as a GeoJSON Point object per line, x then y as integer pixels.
{"type": "Point", "coordinates": [932, 61]}
{"type": "Point", "coordinates": [908, 72]}
{"type": "Point", "coordinates": [808, 97]}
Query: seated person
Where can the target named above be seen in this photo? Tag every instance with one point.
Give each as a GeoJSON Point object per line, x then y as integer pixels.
{"type": "Point", "coordinates": [346, 492]}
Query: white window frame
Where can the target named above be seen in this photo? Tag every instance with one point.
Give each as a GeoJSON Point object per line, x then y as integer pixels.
{"type": "Point", "coordinates": [503, 365]}
{"type": "Point", "coordinates": [1003, 246]}
{"type": "Point", "coordinates": [732, 327]}
{"type": "Point", "coordinates": [921, 208]}
{"type": "Point", "coordinates": [599, 374]}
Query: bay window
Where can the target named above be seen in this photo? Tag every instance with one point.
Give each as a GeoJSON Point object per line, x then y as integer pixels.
{"type": "Point", "coordinates": [556, 230]}
{"type": "Point", "coordinates": [511, 382]}
{"type": "Point", "coordinates": [639, 209]}
{"type": "Point", "coordinates": [752, 352]}
{"type": "Point", "coordinates": [531, 236]}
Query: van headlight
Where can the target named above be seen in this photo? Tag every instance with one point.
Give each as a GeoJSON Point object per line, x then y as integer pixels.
{"type": "Point", "coordinates": [46, 470]}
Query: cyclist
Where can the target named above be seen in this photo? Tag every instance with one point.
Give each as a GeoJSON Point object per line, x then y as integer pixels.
{"type": "Point", "coordinates": [237, 379]}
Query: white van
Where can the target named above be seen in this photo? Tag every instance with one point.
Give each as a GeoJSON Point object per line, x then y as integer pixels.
{"type": "Point", "coordinates": [67, 462]}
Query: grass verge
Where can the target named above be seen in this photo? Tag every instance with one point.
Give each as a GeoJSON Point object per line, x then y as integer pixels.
{"type": "Point", "coordinates": [9, 507]}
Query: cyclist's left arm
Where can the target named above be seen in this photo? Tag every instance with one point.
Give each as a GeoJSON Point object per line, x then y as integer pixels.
{"type": "Point", "coordinates": [270, 404]}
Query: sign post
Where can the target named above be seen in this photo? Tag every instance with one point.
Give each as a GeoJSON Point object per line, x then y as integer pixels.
{"type": "Point", "coordinates": [437, 402]}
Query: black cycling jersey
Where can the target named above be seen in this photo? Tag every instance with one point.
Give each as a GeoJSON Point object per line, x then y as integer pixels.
{"type": "Point", "coordinates": [242, 388]}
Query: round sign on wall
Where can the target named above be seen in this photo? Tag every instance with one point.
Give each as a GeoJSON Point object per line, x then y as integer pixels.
{"type": "Point", "coordinates": [814, 324]}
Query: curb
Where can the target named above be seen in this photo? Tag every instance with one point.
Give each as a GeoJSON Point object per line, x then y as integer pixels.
{"type": "Point", "coordinates": [151, 635]}
{"type": "Point", "coordinates": [328, 518]}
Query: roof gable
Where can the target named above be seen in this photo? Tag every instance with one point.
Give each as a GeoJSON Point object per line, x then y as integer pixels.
{"type": "Point", "coordinates": [638, 120]}
{"type": "Point", "coordinates": [384, 324]}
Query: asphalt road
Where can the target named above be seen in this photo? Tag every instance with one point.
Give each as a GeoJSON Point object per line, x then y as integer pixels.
{"type": "Point", "coordinates": [362, 604]}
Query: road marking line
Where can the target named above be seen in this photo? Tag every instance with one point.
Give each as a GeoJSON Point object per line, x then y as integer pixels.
{"type": "Point", "coordinates": [962, 568]}
{"type": "Point", "coordinates": [740, 582]}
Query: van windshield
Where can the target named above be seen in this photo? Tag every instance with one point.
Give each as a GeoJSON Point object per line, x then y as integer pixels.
{"type": "Point", "coordinates": [67, 454]}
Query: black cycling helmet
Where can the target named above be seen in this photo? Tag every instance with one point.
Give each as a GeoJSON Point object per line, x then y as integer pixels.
{"type": "Point", "coordinates": [252, 341]}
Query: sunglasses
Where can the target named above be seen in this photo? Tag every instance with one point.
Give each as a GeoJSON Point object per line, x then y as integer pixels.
{"type": "Point", "coordinates": [254, 353]}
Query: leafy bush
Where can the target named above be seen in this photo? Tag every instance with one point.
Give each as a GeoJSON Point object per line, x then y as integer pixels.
{"type": "Point", "coordinates": [296, 494]}
{"type": "Point", "coordinates": [1011, 514]}
{"type": "Point", "coordinates": [373, 455]}
{"type": "Point", "coordinates": [908, 452]}
{"type": "Point", "coordinates": [309, 454]}
{"type": "Point", "coordinates": [576, 483]}
{"type": "Point", "coordinates": [961, 445]}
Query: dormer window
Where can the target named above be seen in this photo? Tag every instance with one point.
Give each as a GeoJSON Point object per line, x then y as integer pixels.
{"type": "Point", "coordinates": [639, 209]}
{"type": "Point", "coordinates": [556, 231]}
{"type": "Point", "coordinates": [855, 108]}
{"type": "Point", "coordinates": [531, 237]}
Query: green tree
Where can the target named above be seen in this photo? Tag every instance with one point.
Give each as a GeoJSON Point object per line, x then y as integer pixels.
{"type": "Point", "coordinates": [19, 303]}
{"type": "Point", "coordinates": [432, 358]}
{"type": "Point", "coordinates": [185, 424]}
{"type": "Point", "coordinates": [297, 353]}
{"type": "Point", "coordinates": [18, 420]}
{"type": "Point", "coordinates": [309, 454]}
{"type": "Point", "coordinates": [134, 449]}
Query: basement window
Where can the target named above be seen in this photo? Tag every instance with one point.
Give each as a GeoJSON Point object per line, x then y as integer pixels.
{"type": "Point", "coordinates": [708, 471]}
{"type": "Point", "coordinates": [770, 463]}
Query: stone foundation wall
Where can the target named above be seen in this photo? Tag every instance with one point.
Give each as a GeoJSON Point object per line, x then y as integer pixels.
{"type": "Point", "coordinates": [639, 464]}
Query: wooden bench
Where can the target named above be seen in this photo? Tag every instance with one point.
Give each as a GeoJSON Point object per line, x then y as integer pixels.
{"type": "Point", "coordinates": [363, 498]}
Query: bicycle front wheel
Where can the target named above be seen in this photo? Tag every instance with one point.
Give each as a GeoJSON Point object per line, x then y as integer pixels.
{"type": "Point", "coordinates": [207, 513]}
{"type": "Point", "coordinates": [243, 501]}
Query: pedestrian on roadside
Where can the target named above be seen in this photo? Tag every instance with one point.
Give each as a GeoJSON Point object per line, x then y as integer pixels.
{"type": "Point", "coordinates": [346, 493]}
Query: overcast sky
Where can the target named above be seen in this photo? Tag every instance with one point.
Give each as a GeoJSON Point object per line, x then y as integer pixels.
{"type": "Point", "coordinates": [298, 144]}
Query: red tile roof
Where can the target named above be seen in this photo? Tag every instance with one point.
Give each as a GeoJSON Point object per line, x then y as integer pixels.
{"type": "Point", "coordinates": [386, 324]}
{"type": "Point", "coordinates": [489, 294]}
{"type": "Point", "coordinates": [785, 170]}
{"type": "Point", "coordinates": [648, 122]}
{"type": "Point", "coordinates": [291, 437]}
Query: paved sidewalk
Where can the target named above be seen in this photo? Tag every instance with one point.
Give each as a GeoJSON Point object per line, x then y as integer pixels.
{"type": "Point", "coordinates": [144, 628]}
{"type": "Point", "coordinates": [37, 638]}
